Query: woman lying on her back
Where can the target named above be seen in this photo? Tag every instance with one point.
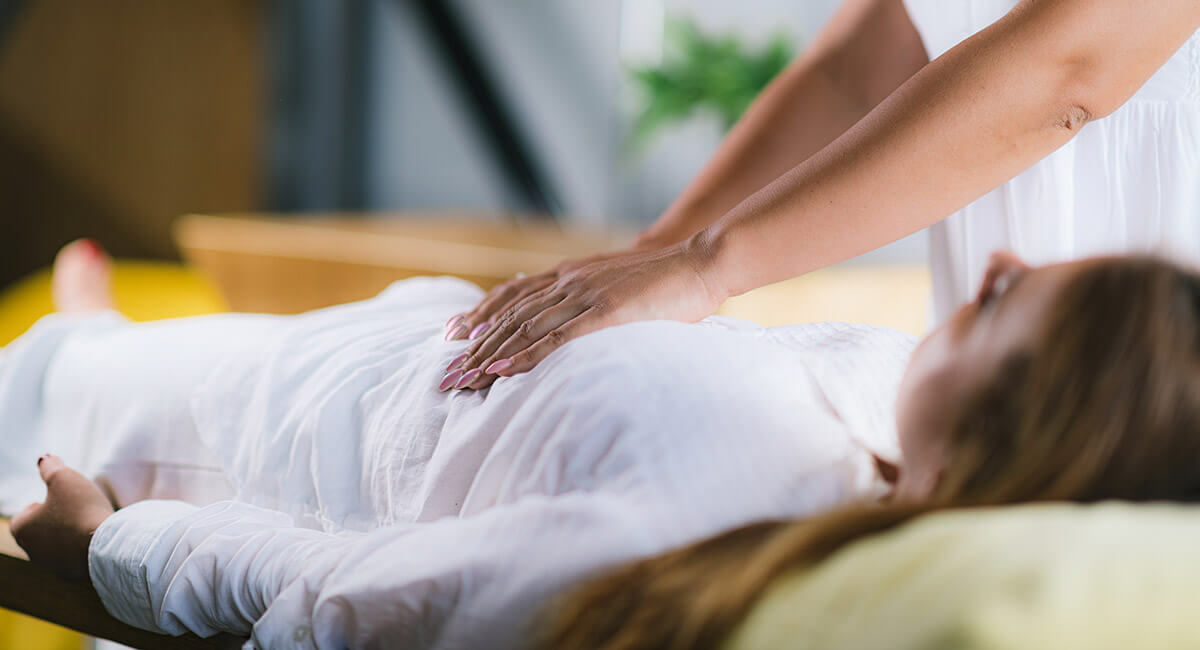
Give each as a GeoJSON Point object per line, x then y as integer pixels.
{"type": "Point", "coordinates": [370, 509]}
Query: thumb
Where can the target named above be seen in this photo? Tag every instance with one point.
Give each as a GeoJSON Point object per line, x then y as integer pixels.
{"type": "Point", "coordinates": [48, 466]}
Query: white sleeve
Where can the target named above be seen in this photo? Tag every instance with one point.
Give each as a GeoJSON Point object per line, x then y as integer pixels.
{"type": "Point", "coordinates": [456, 583]}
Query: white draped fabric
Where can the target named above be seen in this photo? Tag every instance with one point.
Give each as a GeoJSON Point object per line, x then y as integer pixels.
{"type": "Point", "coordinates": [1129, 182]}
{"type": "Point", "coordinates": [325, 494]}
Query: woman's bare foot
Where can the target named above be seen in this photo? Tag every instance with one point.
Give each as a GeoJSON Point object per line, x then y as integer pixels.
{"type": "Point", "coordinates": [82, 278]}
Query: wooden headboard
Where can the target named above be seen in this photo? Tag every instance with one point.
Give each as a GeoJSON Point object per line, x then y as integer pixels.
{"type": "Point", "coordinates": [289, 264]}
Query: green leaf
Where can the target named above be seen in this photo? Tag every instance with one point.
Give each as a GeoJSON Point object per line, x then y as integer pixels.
{"type": "Point", "coordinates": [699, 72]}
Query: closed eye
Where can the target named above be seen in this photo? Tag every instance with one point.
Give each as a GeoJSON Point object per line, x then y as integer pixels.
{"type": "Point", "coordinates": [998, 288]}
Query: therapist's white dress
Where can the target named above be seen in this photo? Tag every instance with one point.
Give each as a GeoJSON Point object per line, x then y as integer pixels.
{"type": "Point", "coordinates": [329, 496]}
{"type": "Point", "coordinates": [1129, 182]}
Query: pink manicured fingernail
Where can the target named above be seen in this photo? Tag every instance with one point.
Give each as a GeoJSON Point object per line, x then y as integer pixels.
{"type": "Point", "coordinates": [449, 380]}
{"type": "Point", "coordinates": [458, 331]}
{"type": "Point", "coordinates": [479, 331]}
{"type": "Point", "coordinates": [468, 378]}
{"type": "Point", "coordinates": [455, 320]}
{"type": "Point", "coordinates": [457, 361]}
{"type": "Point", "coordinates": [499, 367]}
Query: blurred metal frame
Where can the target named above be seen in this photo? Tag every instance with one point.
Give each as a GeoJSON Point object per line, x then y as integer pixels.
{"type": "Point", "coordinates": [512, 152]}
{"type": "Point", "coordinates": [321, 57]}
{"type": "Point", "coordinates": [318, 53]}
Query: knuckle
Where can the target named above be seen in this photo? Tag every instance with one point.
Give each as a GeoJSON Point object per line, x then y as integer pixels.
{"type": "Point", "coordinates": [525, 331]}
{"type": "Point", "coordinates": [556, 337]}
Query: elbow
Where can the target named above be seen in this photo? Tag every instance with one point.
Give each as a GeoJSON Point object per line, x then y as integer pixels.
{"type": "Point", "coordinates": [1089, 86]}
{"type": "Point", "coordinates": [1071, 118]}
{"type": "Point", "coordinates": [1081, 96]}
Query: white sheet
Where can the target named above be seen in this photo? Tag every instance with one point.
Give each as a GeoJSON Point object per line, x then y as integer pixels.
{"type": "Point", "coordinates": [370, 510]}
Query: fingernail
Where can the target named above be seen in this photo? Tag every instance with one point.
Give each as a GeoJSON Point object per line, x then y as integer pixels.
{"type": "Point", "coordinates": [449, 380]}
{"type": "Point", "coordinates": [42, 458]}
{"type": "Point", "coordinates": [457, 361]}
{"type": "Point", "coordinates": [478, 331]}
{"type": "Point", "coordinates": [466, 379]}
{"type": "Point", "coordinates": [499, 367]}
{"type": "Point", "coordinates": [93, 247]}
{"type": "Point", "coordinates": [458, 331]}
{"type": "Point", "coordinates": [455, 320]}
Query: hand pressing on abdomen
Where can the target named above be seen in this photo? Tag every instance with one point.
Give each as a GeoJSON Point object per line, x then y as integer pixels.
{"type": "Point", "coordinates": [56, 534]}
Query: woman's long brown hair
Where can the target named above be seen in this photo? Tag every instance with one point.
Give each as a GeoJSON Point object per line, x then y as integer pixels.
{"type": "Point", "coordinates": [1104, 405]}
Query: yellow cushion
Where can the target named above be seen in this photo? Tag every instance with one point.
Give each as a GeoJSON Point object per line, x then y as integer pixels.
{"type": "Point", "coordinates": [1059, 577]}
{"type": "Point", "coordinates": [144, 291]}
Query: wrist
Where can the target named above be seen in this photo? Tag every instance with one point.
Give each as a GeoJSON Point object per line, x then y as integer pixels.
{"type": "Point", "coordinates": [700, 251]}
{"type": "Point", "coordinates": [80, 572]}
{"type": "Point", "coordinates": [682, 220]}
{"type": "Point", "coordinates": [650, 241]}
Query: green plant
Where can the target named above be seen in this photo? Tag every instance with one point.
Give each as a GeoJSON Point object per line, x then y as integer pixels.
{"type": "Point", "coordinates": [719, 74]}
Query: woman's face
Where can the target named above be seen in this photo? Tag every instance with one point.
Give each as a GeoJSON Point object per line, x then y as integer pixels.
{"type": "Point", "coordinates": [959, 356]}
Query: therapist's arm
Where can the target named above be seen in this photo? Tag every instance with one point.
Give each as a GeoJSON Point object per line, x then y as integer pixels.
{"type": "Point", "coordinates": [979, 115]}
{"type": "Point", "coordinates": [966, 123]}
{"type": "Point", "coordinates": [866, 51]}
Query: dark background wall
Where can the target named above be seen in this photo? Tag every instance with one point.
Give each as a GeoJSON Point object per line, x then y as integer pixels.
{"type": "Point", "coordinates": [116, 117]}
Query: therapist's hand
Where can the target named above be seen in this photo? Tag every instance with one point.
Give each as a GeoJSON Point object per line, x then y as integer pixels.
{"type": "Point", "coordinates": [475, 323]}
{"type": "Point", "coordinates": [667, 284]}
{"type": "Point", "coordinates": [56, 534]}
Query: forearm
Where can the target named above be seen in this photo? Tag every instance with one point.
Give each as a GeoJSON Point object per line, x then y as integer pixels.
{"type": "Point", "coordinates": [169, 567]}
{"type": "Point", "coordinates": [798, 115]}
{"type": "Point", "coordinates": [174, 568]}
{"type": "Point", "coordinates": [965, 124]}
{"type": "Point", "coordinates": [869, 48]}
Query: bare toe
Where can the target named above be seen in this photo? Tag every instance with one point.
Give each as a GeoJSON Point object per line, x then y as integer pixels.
{"type": "Point", "coordinates": [82, 278]}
